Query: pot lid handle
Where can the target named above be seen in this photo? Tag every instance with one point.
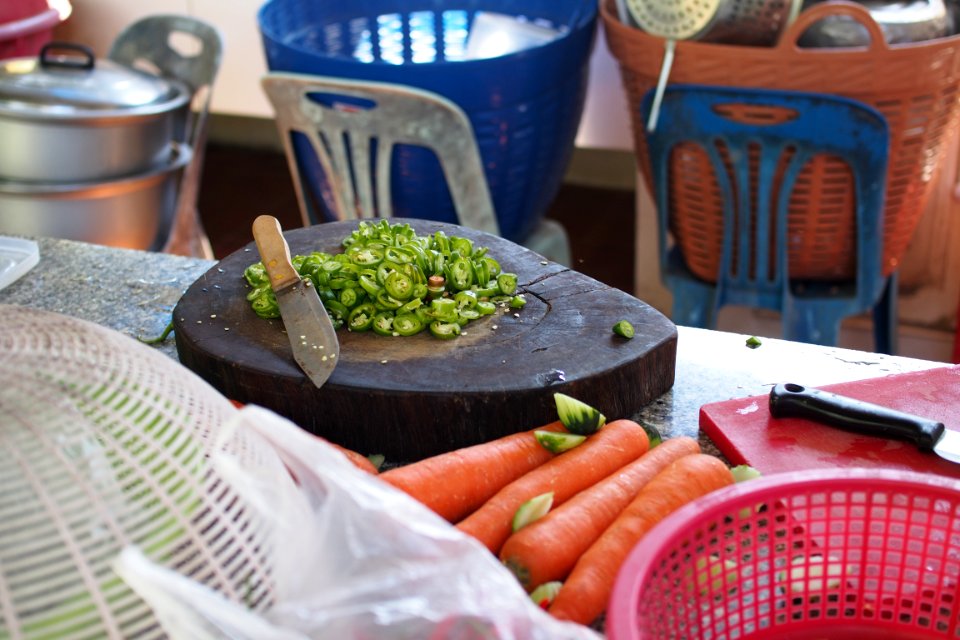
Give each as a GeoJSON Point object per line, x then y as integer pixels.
{"type": "Point", "coordinates": [83, 63]}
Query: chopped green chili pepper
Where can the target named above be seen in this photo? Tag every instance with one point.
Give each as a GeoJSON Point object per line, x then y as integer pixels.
{"type": "Point", "coordinates": [487, 292]}
{"type": "Point", "coordinates": [407, 324]}
{"type": "Point", "coordinates": [460, 274]}
{"type": "Point", "coordinates": [399, 285]}
{"type": "Point", "coordinates": [386, 302]}
{"type": "Point", "coordinates": [361, 317]}
{"type": "Point", "coordinates": [386, 271]}
{"type": "Point", "coordinates": [486, 308]}
{"type": "Point", "coordinates": [481, 272]}
{"type": "Point", "coordinates": [623, 329]}
{"type": "Point", "coordinates": [383, 323]}
{"type": "Point", "coordinates": [444, 330]}
{"type": "Point", "coordinates": [466, 299]}
{"type": "Point", "coordinates": [337, 310]}
{"type": "Point", "coordinates": [517, 302]}
{"type": "Point", "coordinates": [753, 342]}
{"type": "Point", "coordinates": [507, 283]}
{"type": "Point", "coordinates": [411, 306]}
{"type": "Point", "coordinates": [444, 309]}
{"type": "Point", "coordinates": [349, 297]}
{"type": "Point", "coordinates": [369, 284]}
{"type": "Point", "coordinates": [366, 256]}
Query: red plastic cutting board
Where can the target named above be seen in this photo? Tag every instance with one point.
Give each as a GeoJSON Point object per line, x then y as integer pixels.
{"type": "Point", "coordinates": [745, 432]}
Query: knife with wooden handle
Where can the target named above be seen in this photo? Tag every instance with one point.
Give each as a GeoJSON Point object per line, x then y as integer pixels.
{"type": "Point", "coordinates": [850, 414]}
{"type": "Point", "coordinates": [309, 328]}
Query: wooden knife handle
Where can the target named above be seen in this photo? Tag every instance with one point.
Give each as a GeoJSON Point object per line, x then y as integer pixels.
{"type": "Point", "coordinates": [274, 252]}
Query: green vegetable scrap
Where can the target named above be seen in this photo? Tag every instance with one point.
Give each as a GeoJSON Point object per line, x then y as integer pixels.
{"type": "Point", "coordinates": [578, 417]}
{"type": "Point", "coordinates": [623, 329]}
{"type": "Point", "coordinates": [545, 593]}
{"type": "Point", "coordinates": [532, 510]}
{"type": "Point", "coordinates": [558, 442]}
{"type": "Point", "coordinates": [395, 283]}
{"type": "Point", "coordinates": [753, 342]}
{"type": "Point", "coordinates": [653, 434]}
{"type": "Point", "coordinates": [161, 338]}
{"type": "Point", "coordinates": [743, 472]}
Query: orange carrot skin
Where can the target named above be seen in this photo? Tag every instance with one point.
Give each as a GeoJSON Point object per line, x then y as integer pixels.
{"type": "Point", "coordinates": [548, 549]}
{"type": "Point", "coordinates": [456, 483]}
{"type": "Point", "coordinates": [584, 595]}
{"type": "Point", "coordinates": [616, 444]}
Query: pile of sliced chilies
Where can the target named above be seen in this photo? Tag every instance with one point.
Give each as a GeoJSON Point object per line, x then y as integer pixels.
{"type": "Point", "coordinates": [396, 283]}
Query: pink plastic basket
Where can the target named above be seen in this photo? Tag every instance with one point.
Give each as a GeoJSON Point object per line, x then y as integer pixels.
{"type": "Point", "coordinates": [851, 553]}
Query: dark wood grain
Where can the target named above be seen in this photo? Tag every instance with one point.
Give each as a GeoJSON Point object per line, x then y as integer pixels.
{"type": "Point", "coordinates": [412, 397]}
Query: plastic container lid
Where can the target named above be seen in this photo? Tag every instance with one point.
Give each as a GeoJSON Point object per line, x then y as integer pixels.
{"type": "Point", "coordinates": [17, 257]}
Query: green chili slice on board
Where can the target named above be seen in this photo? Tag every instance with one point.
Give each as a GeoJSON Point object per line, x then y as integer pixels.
{"type": "Point", "coordinates": [444, 330]}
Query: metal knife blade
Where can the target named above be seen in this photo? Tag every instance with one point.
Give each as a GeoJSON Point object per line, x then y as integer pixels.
{"type": "Point", "coordinates": [311, 333]}
{"type": "Point", "coordinates": [858, 416]}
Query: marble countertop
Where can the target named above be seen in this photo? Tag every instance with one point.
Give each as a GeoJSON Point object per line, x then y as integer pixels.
{"type": "Point", "coordinates": [135, 292]}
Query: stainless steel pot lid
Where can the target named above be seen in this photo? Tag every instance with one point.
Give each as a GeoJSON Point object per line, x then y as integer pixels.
{"type": "Point", "coordinates": [65, 79]}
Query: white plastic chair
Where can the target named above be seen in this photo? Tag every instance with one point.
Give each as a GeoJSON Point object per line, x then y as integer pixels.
{"type": "Point", "coordinates": [342, 137]}
{"type": "Point", "coordinates": [190, 51]}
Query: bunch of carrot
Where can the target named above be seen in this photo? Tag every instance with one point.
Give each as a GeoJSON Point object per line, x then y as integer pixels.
{"type": "Point", "coordinates": [607, 493]}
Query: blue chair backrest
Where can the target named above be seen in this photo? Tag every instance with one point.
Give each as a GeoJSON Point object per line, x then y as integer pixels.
{"type": "Point", "coordinates": [818, 124]}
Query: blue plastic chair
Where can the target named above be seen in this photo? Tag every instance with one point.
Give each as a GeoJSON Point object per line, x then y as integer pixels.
{"type": "Point", "coordinates": [823, 124]}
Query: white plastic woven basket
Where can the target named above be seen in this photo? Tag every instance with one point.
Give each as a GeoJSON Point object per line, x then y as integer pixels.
{"type": "Point", "coordinates": [105, 443]}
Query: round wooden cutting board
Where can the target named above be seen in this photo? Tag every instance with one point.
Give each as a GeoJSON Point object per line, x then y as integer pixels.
{"type": "Point", "coordinates": [411, 397]}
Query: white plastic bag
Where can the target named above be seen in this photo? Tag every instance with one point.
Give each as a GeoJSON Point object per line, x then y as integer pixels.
{"type": "Point", "coordinates": [353, 558]}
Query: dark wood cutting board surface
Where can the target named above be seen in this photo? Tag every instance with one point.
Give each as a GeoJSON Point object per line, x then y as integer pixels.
{"type": "Point", "coordinates": [412, 397]}
{"type": "Point", "coordinates": [746, 433]}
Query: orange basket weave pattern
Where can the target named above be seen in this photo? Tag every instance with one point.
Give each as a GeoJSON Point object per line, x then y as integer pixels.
{"type": "Point", "coordinates": [916, 87]}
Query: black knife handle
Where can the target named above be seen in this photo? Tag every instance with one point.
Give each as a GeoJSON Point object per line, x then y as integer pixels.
{"type": "Point", "coordinates": [793, 400]}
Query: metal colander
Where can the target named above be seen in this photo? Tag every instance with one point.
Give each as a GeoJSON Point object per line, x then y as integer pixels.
{"type": "Point", "coordinates": [106, 443]}
{"type": "Point", "coordinates": [747, 22]}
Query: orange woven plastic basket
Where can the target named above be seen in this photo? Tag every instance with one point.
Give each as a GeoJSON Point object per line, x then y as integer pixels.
{"type": "Point", "coordinates": [915, 86]}
{"type": "Point", "coordinates": [848, 553]}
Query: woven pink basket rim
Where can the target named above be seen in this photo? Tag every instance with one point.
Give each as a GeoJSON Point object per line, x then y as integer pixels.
{"type": "Point", "coordinates": [619, 624]}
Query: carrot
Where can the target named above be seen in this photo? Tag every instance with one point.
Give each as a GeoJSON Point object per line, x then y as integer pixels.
{"type": "Point", "coordinates": [615, 445]}
{"type": "Point", "coordinates": [547, 549]}
{"type": "Point", "coordinates": [358, 460]}
{"type": "Point", "coordinates": [585, 592]}
{"type": "Point", "coordinates": [456, 483]}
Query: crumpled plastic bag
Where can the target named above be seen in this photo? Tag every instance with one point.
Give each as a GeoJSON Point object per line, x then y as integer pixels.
{"type": "Point", "coordinates": [353, 558]}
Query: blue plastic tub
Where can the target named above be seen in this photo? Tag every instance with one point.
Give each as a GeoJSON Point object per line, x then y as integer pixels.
{"type": "Point", "coordinates": [525, 107]}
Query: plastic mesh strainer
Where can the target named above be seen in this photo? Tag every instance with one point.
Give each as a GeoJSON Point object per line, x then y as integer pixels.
{"type": "Point", "coordinates": [105, 443]}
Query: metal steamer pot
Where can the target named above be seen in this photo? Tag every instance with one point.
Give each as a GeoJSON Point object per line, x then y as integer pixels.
{"type": "Point", "coordinates": [71, 118]}
{"type": "Point", "coordinates": [89, 149]}
{"type": "Point", "coordinates": [900, 21]}
{"type": "Point", "coordinates": [133, 212]}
